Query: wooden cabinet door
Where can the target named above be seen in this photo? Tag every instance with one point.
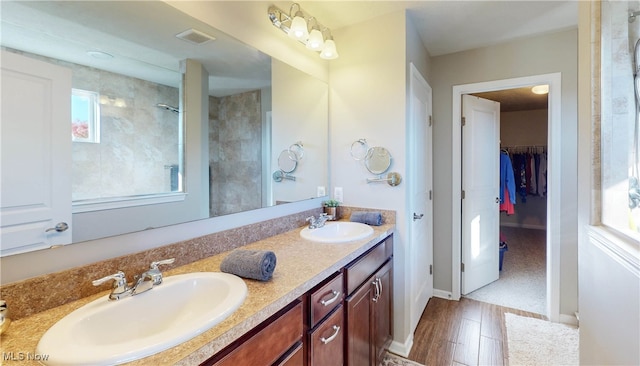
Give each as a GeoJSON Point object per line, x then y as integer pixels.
{"type": "Point", "coordinates": [327, 341]}
{"type": "Point", "coordinates": [359, 327]}
{"type": "Point", "coordinates": [383, 314]}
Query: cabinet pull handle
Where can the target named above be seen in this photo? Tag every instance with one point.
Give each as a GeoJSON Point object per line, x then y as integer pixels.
{"type": "Point", "coordinates": [376, 294]}
{"type": "Point", "coordinates": [336, 329]}
{"type": "Point", "coordinates": [380, 282]}
{"type": "Point", "coordinates": [336, 294]}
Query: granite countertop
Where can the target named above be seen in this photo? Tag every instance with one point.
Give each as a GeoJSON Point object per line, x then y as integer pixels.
{"type": "Point", "coordinates": [301, 265]}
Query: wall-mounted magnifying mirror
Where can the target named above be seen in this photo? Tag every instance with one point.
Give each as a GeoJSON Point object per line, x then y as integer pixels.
{"type": "Point", "coordinates": [378, 160]}
{"type": "Point", "coordinates": [287, 162]}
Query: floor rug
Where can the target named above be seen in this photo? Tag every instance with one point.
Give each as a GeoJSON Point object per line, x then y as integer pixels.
{"type": "Point", "coordinates": [539, 342]}
{"type": "Point", "coordinates": [391, 359]}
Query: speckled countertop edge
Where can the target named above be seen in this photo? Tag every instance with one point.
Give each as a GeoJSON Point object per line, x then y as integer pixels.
{"type": "Point", "coordinates": [301, 265]}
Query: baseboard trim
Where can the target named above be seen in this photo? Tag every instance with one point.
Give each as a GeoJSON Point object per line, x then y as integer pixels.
{"type": "Point", "coordinates": [523, 226]}
{"type": "Point", "coordinates": [443, 294]}
{"type": "Point", "coordinates": [402, 349]}
{"type": "Point", "coordinates": [568, 319]}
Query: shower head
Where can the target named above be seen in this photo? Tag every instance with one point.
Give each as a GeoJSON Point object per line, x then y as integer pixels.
{"type": "Point", "coordinates": [168, 107]}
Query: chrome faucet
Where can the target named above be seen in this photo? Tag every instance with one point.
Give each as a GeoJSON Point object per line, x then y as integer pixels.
{"type": "Point", "coordinates": [142, 283]}
{"type": "Point", "coordinates": [319, 222]}
{"type": "Point", "coordinates": [4, 316]}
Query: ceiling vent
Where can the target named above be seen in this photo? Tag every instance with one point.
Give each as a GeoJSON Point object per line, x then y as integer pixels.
{"type": "Point", "coordinates": [195, 36]}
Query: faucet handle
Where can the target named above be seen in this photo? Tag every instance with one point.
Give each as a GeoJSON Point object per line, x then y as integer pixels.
{"type": "Point", "coordinates": [154, 265]}
{"type": "Point", "coordinates": [118, 277]}
{"type": "Point", "coordinates": [4, 316]}
{"type": "Point", "coordinates": [154, 272]}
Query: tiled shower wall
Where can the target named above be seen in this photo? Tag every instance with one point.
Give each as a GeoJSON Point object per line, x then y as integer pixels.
{"type": "Point", "coordinates": [235, 153]}
{"type": "Point", "coordinates": [138, 144]}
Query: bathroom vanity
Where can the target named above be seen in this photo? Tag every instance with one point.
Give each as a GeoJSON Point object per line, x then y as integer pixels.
{"type": "Point", "coordinates": [346, 319]}
{"type": "Point", "coordinates": [326, 304]}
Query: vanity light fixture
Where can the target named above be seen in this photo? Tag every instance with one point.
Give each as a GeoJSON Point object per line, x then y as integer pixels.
{"type": "Point", "coordinates": [329, 52]}
{"type": "Point", "coordinates": [540, 89]}
{"type": "Point", "coordinates": [316, 39]}
{"type": "Point", "coordinates": [297, 27]}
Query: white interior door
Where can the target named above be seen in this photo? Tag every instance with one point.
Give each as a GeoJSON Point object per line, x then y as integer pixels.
{"type": "Point", "coordinates": [421, 203]}
{"type": "Point", "coordinates": [480, 185]}
{"type": "Point", "coordinates": [36, 154]}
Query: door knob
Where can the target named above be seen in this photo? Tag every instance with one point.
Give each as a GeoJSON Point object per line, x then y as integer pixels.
{"type": "Point", "coordinates": [60, 227]}
{"type": "Point", "coordinates": [497, 199]}
{"type": "Point", "coordinates": [416, 216]}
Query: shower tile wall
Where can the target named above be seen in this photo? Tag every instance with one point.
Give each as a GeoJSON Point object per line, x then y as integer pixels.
{"type": "Point", "coordinates": [235, 160]}
{"type": "Point", "coordinates": [138, 143]}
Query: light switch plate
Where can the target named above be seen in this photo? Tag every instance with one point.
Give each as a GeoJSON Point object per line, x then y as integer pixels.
{"type": "Point", "coordinates": [321, 191]}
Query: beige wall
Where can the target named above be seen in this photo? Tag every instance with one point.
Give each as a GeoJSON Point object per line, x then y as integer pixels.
{"type": "Point", "coordinates": [520, 58]}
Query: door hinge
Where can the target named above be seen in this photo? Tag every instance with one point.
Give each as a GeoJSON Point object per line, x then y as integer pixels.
{"type": "Point", "coordinates": [430, 121]}
{"type": "Point", "coordinates": [464, 121]}
{"type": "Point", "coordinates": [462, 267]}
{"type": "Point", "coordinates": [463, 194]}
{"type": "Point", "coordinates": [431, 269]}
{"type": "Point", "coordinates": [430, 195]}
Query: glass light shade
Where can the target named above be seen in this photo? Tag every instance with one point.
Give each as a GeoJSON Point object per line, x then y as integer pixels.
{"type": "Point", "coordinates": [298, 29]}
{"type": "Point", "coordinates": [540, 89]}
{"type": "Point", "coordinates": [329, 52]}
{"type": "Point", "coordinates": [316, 40]}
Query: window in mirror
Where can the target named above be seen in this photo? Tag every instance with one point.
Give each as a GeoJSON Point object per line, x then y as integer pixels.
{"type": "Point", "coordinates": [85, 116]}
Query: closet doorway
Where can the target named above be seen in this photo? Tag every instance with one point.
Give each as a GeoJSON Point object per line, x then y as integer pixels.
{"type": "Point", "coordinates": [514, 227]}
{"type": "Point", "coordinates": [522, 221]}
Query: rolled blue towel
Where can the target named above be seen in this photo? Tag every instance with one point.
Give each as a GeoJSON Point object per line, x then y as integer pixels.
{"type": "Point", "coordinates": [255, 264]}
{"type": "Point", "coordinates": [370, 218]}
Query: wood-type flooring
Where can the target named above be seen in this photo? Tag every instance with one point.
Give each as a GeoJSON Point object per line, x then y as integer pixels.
{"type": "Point", "coordinates": [465, 332]}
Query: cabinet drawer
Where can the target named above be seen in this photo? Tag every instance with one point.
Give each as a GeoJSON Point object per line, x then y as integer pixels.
{"type": "Point", "coordinates": [295, 358]}
{"type": "Point", "coordinates": [365, 266]}
{"type": "Point", "coordinates": [326, 347]}
{"type": "Point", "coordinates": [325, 299]}
{"type": "Point", "coordinates": [269, 343]}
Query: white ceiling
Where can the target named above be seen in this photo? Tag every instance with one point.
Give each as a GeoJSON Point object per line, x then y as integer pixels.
{"type": "Point", "coordinates": [143, 32]}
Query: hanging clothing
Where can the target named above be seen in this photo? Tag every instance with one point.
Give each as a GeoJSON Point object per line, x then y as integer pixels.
{"type": "Point", "coordinates": [542, 176]}
{"type": "Point", "coordinates": [507, 181]}
{"type": "Point", "coordinates": [507, 206]}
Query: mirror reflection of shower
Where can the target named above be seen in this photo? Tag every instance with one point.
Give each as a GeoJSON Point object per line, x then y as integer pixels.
{"type": "Point", "coordinates": [168, 107]}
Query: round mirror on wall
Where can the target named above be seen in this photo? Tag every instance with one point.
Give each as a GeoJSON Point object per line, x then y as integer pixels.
{"type": "Point", "coordinates": [286, 162]}
{"type": "Point", "coordinates": [378, 160]}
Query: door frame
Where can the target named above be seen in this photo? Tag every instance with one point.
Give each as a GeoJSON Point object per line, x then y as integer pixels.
{"type": "Point", "coordinates": [554, 80]}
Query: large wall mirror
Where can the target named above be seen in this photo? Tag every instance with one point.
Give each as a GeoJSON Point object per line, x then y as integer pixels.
{"type": "Point", "coordinates": [173, 120]}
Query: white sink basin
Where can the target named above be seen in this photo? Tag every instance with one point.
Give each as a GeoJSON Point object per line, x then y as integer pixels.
{"type": "Point", "coordinates": [337, 232]}
{"type": "Point", "coordinates": [106, 332]}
